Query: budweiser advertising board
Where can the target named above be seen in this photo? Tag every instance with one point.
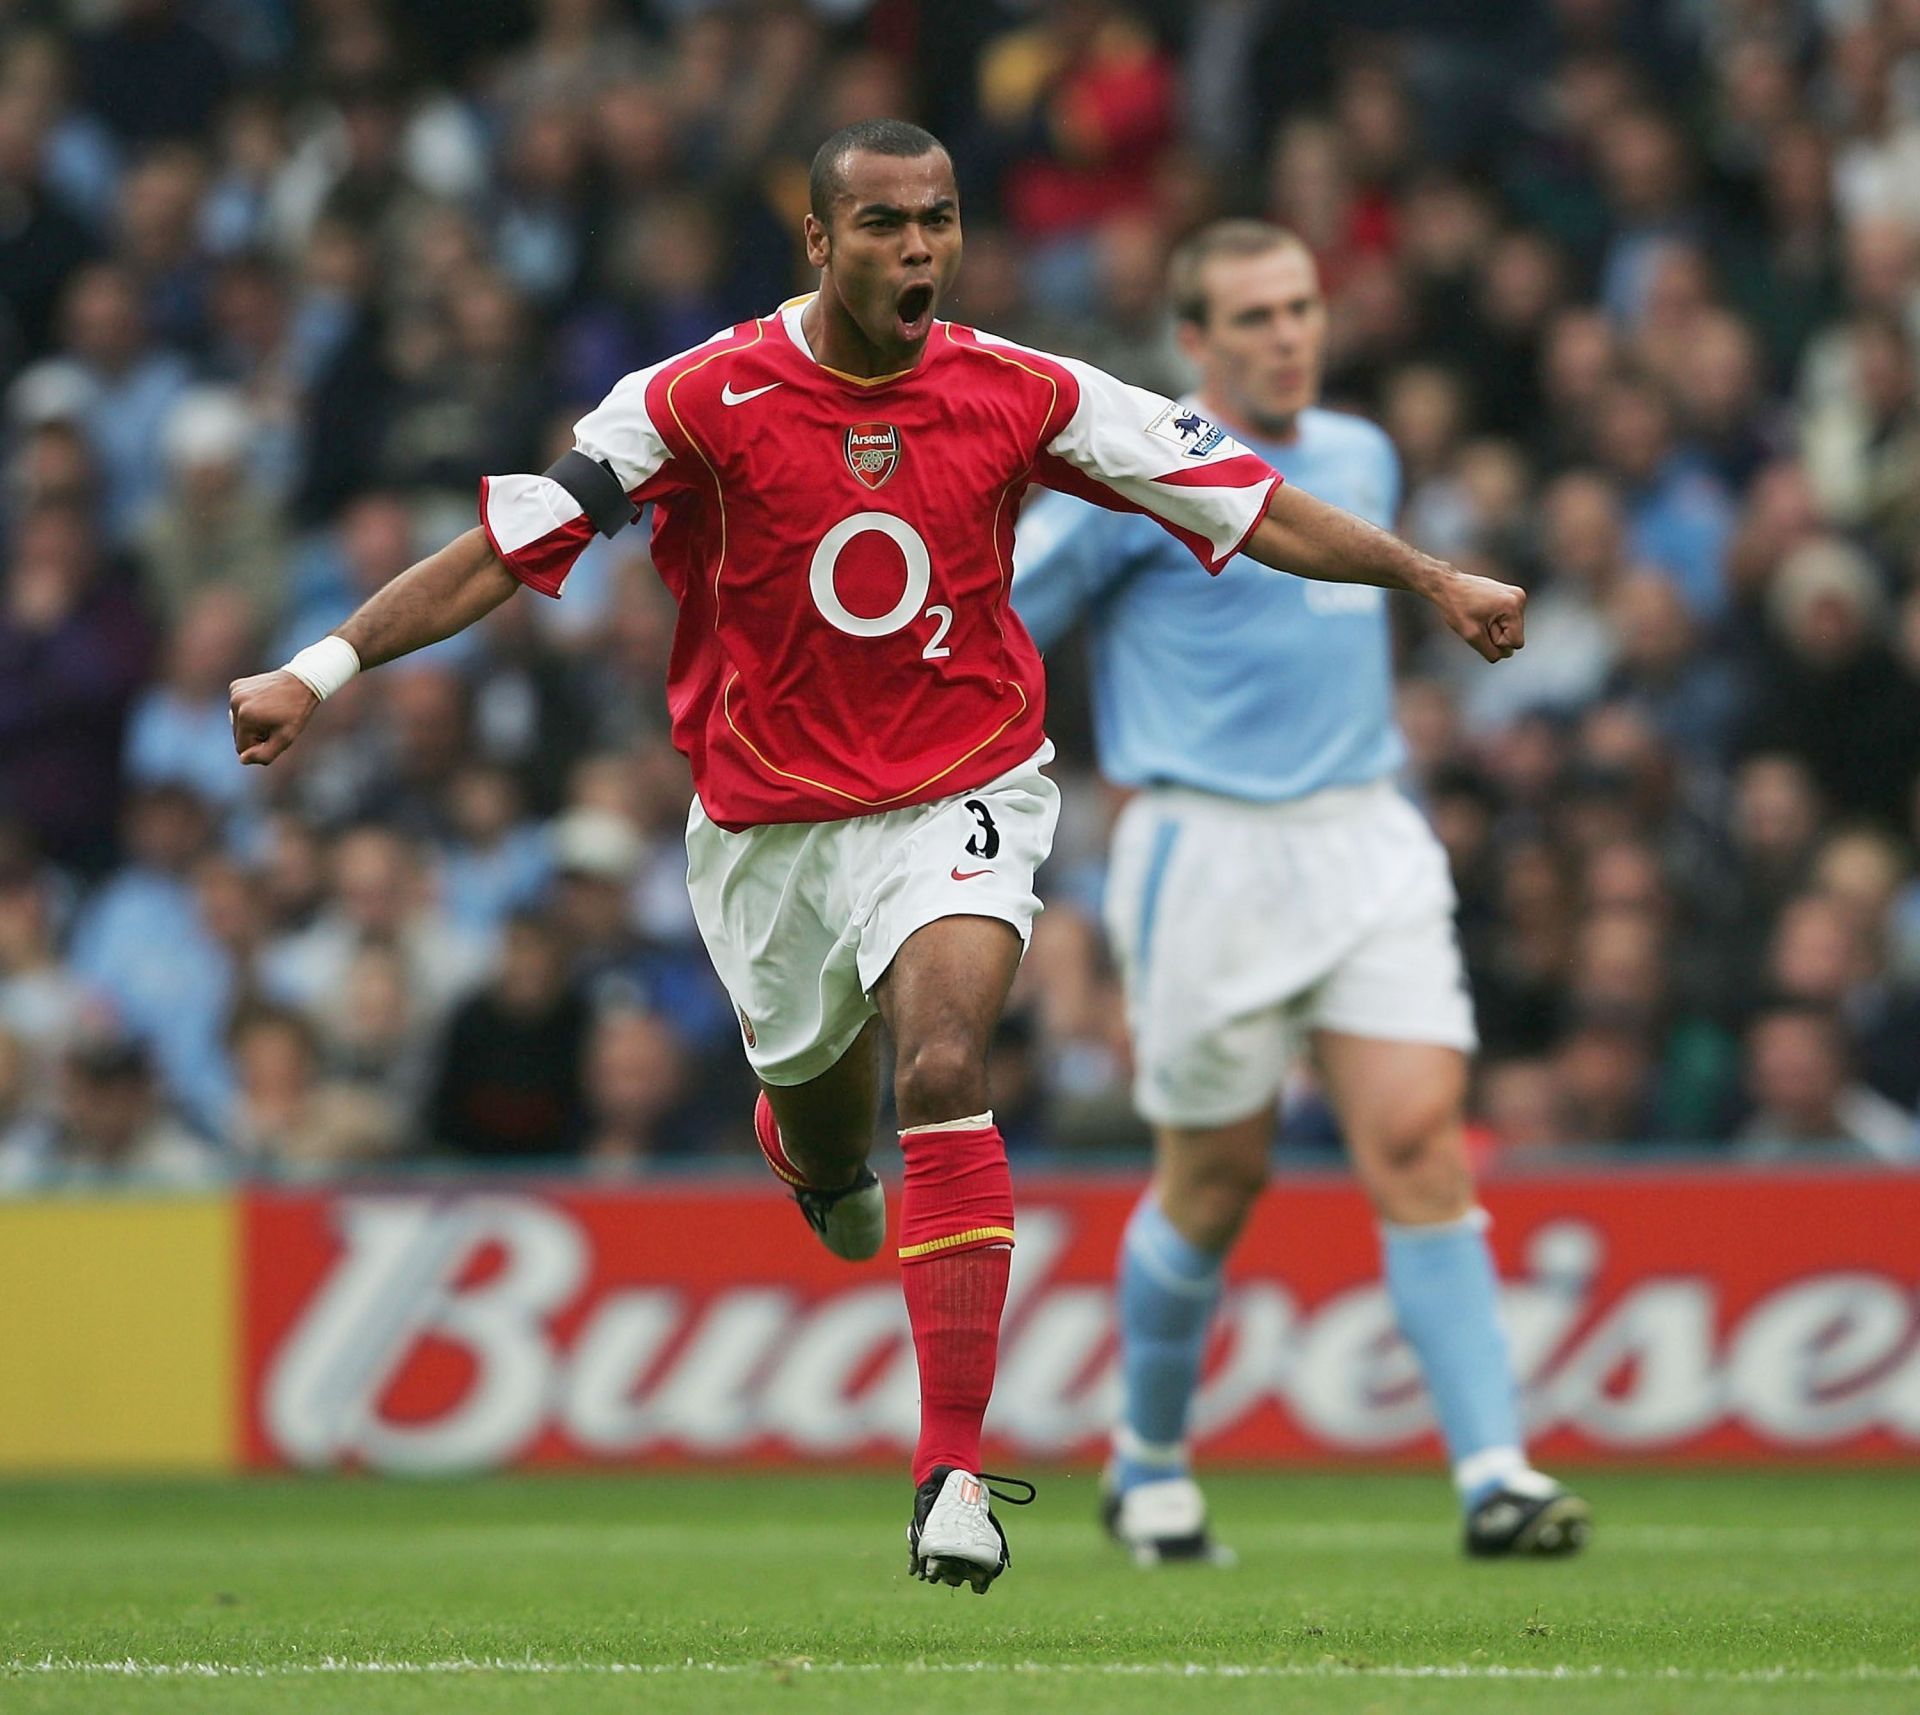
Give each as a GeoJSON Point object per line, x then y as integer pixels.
{"type": "Point", "coordinates": [1667, 1315]}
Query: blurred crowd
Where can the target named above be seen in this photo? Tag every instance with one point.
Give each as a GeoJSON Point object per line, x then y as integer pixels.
{"type": "Point", "coordinates": [1634, 287]}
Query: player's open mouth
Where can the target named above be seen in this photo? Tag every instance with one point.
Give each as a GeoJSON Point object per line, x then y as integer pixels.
{"type": "Point", "coordinates": [913, 311]}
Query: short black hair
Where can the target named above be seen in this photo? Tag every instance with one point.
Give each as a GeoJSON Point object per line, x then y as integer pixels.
{"type": "Point", "coordinates": [896, 137]}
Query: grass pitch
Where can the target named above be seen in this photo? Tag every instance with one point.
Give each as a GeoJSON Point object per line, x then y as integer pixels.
{"type": "Point", "coordinates": [1703, 1593]}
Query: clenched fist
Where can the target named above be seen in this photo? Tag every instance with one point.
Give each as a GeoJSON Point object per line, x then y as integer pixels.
{"type": "Point", "coordinates": [268, 712]}
{"type": "Point", "coordinates": [1490, 615]}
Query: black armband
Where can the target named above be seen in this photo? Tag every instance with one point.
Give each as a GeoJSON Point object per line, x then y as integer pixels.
{"type": "Point", "coordinates": [593, 484]}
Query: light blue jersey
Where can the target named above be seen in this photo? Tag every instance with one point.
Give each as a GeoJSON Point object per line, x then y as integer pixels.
{"type": "Point", "coordinates": [1253, 684]}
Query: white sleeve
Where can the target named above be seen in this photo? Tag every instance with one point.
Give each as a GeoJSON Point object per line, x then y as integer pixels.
{"type": "Point", "coordinates": [536, 525]}
{"type": "Point", "coordinates": [1132, 451]}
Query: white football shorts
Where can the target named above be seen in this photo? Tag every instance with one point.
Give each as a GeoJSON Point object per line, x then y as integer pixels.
{"type": "Point", "coordinates": [802, 919]}
{"type": "Point", "coordinates": [1241, 927]}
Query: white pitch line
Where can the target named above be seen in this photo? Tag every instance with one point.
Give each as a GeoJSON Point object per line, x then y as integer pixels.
{"type": "Point", "coordinates": [133, 1668]}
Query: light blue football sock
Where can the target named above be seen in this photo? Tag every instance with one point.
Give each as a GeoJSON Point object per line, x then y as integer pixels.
{"type": "Point", "coordinates": [1168, 1290]}
{"type": "Point", "coordinates": [1447, 1298]}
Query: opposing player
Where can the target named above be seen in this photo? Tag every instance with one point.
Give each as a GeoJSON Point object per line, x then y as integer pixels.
{"type": "Point", "coordinates": [1270, 884]}
{"type": "Point", "coordinates": [834, 490]}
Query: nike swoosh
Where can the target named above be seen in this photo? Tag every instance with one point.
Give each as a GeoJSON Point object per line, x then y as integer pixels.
{"type": "Point", "coordinates": [729, 397]}
{"type": "Point", "coordinates": [969, 875]}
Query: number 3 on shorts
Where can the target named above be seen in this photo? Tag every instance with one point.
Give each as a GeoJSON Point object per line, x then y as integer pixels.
{"type": "Point", "coordinates": [986, 843]}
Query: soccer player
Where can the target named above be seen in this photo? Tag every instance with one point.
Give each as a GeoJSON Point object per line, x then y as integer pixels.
{"type": "Point", "coordinates": [834, 488]}
{"type": "Point", "coordinates": [1268, 885]}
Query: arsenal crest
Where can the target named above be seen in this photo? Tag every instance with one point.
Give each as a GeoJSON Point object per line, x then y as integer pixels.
{"type": "Point", "coordinates": [873, 449]}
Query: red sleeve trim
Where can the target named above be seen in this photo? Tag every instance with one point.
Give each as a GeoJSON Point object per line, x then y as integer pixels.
{"type": "Point", "coordinates": [543, 565]}
{"type": "Point", "coordinates": [1241, 471]}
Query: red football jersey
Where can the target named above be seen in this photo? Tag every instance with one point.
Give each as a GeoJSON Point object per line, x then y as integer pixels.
{"type": "Point", "coordinates": [841, 550]}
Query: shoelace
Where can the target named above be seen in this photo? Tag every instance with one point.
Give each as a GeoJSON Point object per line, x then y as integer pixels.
{"type": "Point", "coordinates": [992, 1477]}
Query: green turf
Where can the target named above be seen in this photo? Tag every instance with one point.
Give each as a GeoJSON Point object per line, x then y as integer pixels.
{"type": "Point", "coordinates": [1703, 1593]}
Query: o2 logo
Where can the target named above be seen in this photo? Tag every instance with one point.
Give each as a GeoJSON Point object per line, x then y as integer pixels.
{"type": "Point", "coordinates": [919, 565]}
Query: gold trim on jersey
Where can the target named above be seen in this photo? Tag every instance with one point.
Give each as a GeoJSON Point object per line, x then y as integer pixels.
{"type": "Point", "coordinates": [772, 767]}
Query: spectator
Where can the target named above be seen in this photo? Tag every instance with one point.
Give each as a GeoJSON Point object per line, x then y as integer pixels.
{"type": "Point", "coordinates": [43, 1004]}
{"type": "Point", "coordinates": [179, 730]}
{"type": "Point", "coordinates": [73, 647]}
{"type": "Point", "coordinates": [1806, 1100]}
{"type": "Point", "coordinates": [380, 896]}
{"type": "Point", "coordinates": [637, 1073]}
{"type": "Point", "coordinates": [1689, 696]}
{"type": "Point", "coordinates": [215, 525]}
{"type": "Point", "coordinates": [497, 863]}
{"type": "Point", "coordinates": [109, 1126]}
{"type": "Point", "coordinates": [1606, 1074]}
{"type": "Point", "coordinates": [1679, 517]}
{"type": "Point", "coordinates": [1823, 954]}
{"type": "Point", "coordinates": [1084, 103]}
{"type": "Point", "coordinates": [508, 1085]}
{"type": "Point", "coordinates": [44, 241]}
{"type": "Point", "coordinates": [1519, 1110]}
{"type": "Point", "coordinates": [373, 1035]}
{"type": "Point", "coordinates": [158, 229]}
{"type": "Point", "coordinates": [127, 385]}
{"type": "Point", "coordinates": [1839, 698]}
{"type": "Point", "coordinates": [1571, 640]}
{"type": "Point", "coordinates": [285, 1113]}
{"type": "Point", "coordinates": [1862, 446]}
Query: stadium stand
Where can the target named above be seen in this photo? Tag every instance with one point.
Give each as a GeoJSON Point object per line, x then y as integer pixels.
{"type": "Point", "coordinates": [1635, 289]}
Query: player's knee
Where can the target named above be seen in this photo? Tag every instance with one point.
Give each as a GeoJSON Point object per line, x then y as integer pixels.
{"type": "Point", "coordinates": [1417, 1165]}
{"type": "Point", "coordinates": [1211, 1194]}
{"type": "Point", "coordinates": [941, 1078]}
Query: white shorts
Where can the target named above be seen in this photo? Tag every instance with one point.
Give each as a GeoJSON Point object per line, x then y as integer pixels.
{"type": "Point", "coordinates": [802, 919]}
{"type": "Point", "coordinates": [1241, 927]}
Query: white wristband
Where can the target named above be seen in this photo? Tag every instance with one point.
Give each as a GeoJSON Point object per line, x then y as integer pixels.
{"type": "Point", "coordinates": [325, 666]}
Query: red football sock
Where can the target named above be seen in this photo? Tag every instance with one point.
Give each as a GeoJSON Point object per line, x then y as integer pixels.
{"type": "Point", "coordinates": [956, 1232]}
{"type": "Point", "coordinates": [767, 1131]}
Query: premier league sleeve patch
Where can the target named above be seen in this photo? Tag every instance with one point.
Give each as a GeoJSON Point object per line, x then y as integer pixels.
{"type": "Point", "coordinates": [1185, 428]}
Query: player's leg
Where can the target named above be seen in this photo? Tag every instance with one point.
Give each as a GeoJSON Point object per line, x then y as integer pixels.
{"type": "Point", "coordinates": [1203, 946]}
{"type": "Point", "coordinates": [941, 996]}
{"type": "Point", "coordinates": [772, 904]}
{"type": "Point", "coordinates": [1400, 1106]}
{"type": "Point", "coordinates": [1205, 1183]}
{"type": "Point", "coordinates": [1393, 1025]}
{"type": "Point", "coordinates": [817, 1135]}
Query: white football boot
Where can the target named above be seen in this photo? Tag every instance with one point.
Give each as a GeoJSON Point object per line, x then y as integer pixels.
{"type": "Point", "coordinates": [954, 1537]}
{"type": "Point", "coordinates": [1162, 1523]}
{"type": "Point", "coordinates": [852, 1221]}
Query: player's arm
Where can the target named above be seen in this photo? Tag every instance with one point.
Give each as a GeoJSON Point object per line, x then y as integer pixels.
{"type": "Point", "coordinates": [532, 529]}
{"type": "Point", "coordinates": [444, 593]}
{"type": "Point", "coordinates": [1308, 537]}
{"type": "Point", "coordinates": [1129, 450]}
{"type": "Point", "coordinates": [1066, 556]}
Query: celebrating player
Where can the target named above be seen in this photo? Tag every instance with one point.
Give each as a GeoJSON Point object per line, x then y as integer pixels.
{"type": "Point", "coordinates": [834, 489]}
{"type": "Point", "coordinates": [1269, 883]}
